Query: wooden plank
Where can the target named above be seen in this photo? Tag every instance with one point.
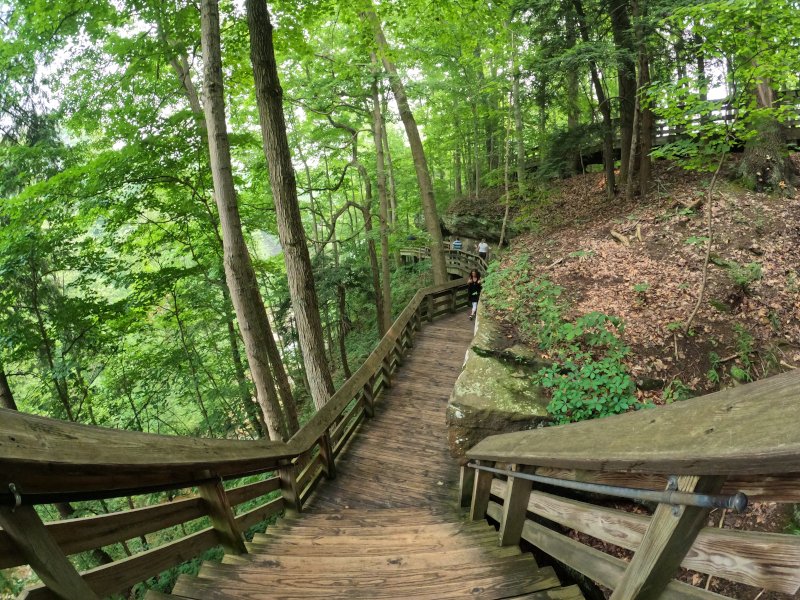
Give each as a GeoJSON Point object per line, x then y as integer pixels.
{"type": "Point", "coordinates": [764, 560]}
{"type": "Point", "coordinates": [122, 574]}
{"type": "Point", "coordinates": [515, 506]}
{"type": "Point", "coordinates": [42, 553]}
{"type": "Point", "coordinates": [78, 535]}
{"type": "Point", "coordinates": [691, 437]}
{"type": "Point", "coordinates": [289, 488]}
{"type": "Point", "coordinates": [602, 568]}
{"type": "Point", "coordinates": [480, 494]}
{"type": "Point", "coordinates": [327, 457]}
{"type": "Point", "coordinates": [466, 483]}
{"type": "Point", "coordinates": [243, 493]}
{"type": "Point", "coordinates": [668, 538]}
{"type": "Point", "coordinates": [784, 487]}
{"type": "Point", "coordinates": [222, 517]}
{"type": "Point", "coordinates": [247, 519]}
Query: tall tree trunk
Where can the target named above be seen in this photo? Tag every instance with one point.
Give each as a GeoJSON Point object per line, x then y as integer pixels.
{"type": "Point", "coordinates": [476, 155]}
{"type": "Point", "coordinates": [341, 301]}
{"type": "Point", "coordinates": [602, 102]}
{"type": "Point", "coordinates": [620, 13]}
{"type": "Point", "coordinates": [239, 273]}
{"type": "Point", "coordinates": [269, 97]}
{"type": "Point", "coordinates": [646, 117]}
{"type": "Point", "coordinates": [518, 127]}
{"type": "Point", "coordinates": [256, 417]}
{"type": "Point", "coordinates": [764, 163]}
{"type": "Point", "coordinates": [380, 170]}
{"type": "Point", "coordinates": [417, 152]}
{"type": "Point", "coordinates": [6, 397]}
{"type": "Point", "coordinates": [181, 67]}
{"type": "Point", "coordinates": [382, 320]}
{"type": "Point", "coordinates": [573, 107]}
{"type": "Point", "coordinates": [393, 217]}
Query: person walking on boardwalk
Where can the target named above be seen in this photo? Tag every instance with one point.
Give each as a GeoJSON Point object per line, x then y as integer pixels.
{"type": "Point", "coordinates": [473, 291]}
{"type": "Point", "coordinates": [456, 245]}
{"type": "Point", "coordinates": [483, 249]}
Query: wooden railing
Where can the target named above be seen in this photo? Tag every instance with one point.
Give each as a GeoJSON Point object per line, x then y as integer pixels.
{"type": "Point", "coordinates": [45, 461]}
{"type": "Point", "coordinates": [743, 439]}
{"type": "Point", "coordinates": [459, 262]}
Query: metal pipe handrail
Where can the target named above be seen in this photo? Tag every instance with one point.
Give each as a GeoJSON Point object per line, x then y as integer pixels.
{"type": "Point", "coordinates": [737, 502]}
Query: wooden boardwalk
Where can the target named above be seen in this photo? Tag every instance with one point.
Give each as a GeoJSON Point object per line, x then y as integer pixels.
{"type": "Point", "coordinates": [399, 458]}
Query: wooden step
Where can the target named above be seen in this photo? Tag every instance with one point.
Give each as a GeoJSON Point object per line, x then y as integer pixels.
{"type": "Point", "coordinates": [572, 592]}
{"type": "Point", "coordinates": [372, 562]}
{"type": "Point", "coordinates": [440, 585]}
{"type": "Point", "coordinates": [296, 529]}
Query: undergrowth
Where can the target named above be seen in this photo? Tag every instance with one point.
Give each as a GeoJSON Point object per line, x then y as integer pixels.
{"type": "Point", "coordinates": [587, 378]}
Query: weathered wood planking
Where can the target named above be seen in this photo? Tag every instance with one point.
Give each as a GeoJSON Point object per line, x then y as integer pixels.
{"type": "Point", "coordinates": [400, 456]}
{"type": "Point", "coordinates": [784, 487]}
{"type": "Point", "coordinates": [764, 560]}
{"type": "Point", "coordinates": [737, 431]}
{"type": "Point", "coordinates": [599, 566]}
{"type": "Point", "coordinates": [41, 456]}
{"type": "Point", "coordinates": [87, 533]}
{"type": "Point", "coordinates": [119, 575]}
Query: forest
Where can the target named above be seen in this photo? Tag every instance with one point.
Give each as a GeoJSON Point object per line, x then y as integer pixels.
{"type": "Point", "coordinates": [202, 205]}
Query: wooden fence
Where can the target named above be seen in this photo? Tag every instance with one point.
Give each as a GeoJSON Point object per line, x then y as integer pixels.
{"type": "Point", "coordinates": [45, 461]}
{"type": "Point", "coordinates": [744, 439]}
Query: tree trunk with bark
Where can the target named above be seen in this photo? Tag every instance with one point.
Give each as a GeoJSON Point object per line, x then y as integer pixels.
{"type": "Point", "coordinates": [380, 175]}
{"type": "Point", "coordinates": [269, 97]}
{"type": "Point", "coordinates": [620, 13]}
{"type": "Point", "coordinates": [518, 127]}
{"type": "Point", "coordinates": [417, 152]}
{"type": "Point", "coordinates": [764, 163]}
{"type": "Point", "coordinates": [239, 272]}
{"type": "Point", "coordinates": [6, 397]}
{"type": "Point", "coordinates": [602, 104]}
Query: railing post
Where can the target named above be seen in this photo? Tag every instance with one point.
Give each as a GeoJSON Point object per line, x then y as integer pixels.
{"type": "Point", "coordinates": [369, 397]}
{"type": "Point", "coordinates": [430, 309]}
{"type": "Point", "coordinates": [453, 301]}
{"type": "Point", "coordinates": [43, 554]}
{"type": "Point", "coordinates": [222, 517]}
{"type": "Point", "coordinates": [326, 452]}
{"type": "Point", "coordinates": [291, 495]}
{"type": "Point", "coordinates": [386, 369]}
{"type": "Point", "coordinates": [466, 482]}
{"type": "Point", "coordinates": [668, 538]}
{"type": "Point", "coordinates": [515, 506]}
{"type": "Point", "coordinates": [481, 490]}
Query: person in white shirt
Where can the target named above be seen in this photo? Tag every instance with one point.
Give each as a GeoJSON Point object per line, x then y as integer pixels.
{"type": "Point", "coordinates": [483, 249]}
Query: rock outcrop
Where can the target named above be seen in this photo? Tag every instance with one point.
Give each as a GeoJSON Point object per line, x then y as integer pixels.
{"type": "Point", "coordinates": [495, 392]}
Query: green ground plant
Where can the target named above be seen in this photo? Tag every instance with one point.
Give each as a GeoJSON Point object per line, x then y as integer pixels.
{"type": "Point", "coordinates": [588, 377]}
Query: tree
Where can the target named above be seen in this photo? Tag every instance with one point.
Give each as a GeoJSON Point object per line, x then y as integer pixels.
{"type": "Point", "coordinates": [417, 151]}
{"type": "Point", "coordinates": [247, 302]}
{"type": "Point", "coordinates": [269, 97]}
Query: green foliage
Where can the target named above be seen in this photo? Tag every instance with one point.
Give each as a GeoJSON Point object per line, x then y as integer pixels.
{"type": "Point", "coordinates": [588, 377]}
{"type": "Point", "coordinates": [676, 390]}
{"type": "Point", "coordinates": [695, 240]}
{"type": "Point", "coordinates": [744, 275]}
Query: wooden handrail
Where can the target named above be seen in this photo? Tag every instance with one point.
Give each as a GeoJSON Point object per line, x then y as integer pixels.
{"type": "Point", "coordinates": [734, 431]}
{"type": "Point", "coordinates": [47, 460]}
{"type": "Point", "coordinates": [738, 439]}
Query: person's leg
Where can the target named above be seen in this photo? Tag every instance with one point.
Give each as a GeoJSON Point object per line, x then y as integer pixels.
{"type": "Point", "coordinates": [474, 309]}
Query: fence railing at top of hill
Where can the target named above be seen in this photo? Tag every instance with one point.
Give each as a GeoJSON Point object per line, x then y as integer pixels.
{"type": "Point", "coordinates": [459, 262]}
{"type": "Point", "coordinates": [46, 461]}
{"type": "Point", "coordinates": [744, 439]}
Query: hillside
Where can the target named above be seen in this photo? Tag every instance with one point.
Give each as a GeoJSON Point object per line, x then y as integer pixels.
{"type": "Point", "coordinates": [748, 325]}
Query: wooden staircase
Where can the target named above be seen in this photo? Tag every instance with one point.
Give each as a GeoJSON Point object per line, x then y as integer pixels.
{"type": "Point", "coordinates": [383, 553]}
{"type": "Point", "coordinates": [387, 526]}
